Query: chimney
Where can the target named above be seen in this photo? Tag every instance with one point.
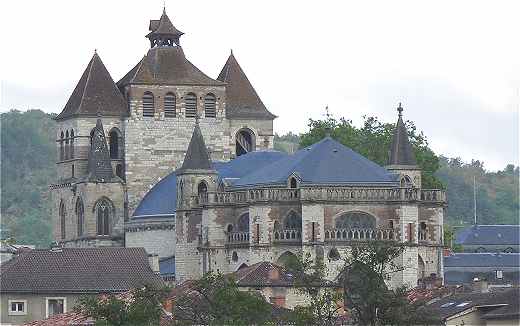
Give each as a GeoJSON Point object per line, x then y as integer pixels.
{"type": "Point", "coordinates": [153, 259]}
{"type": "Point", "coordinates": [274, 274]}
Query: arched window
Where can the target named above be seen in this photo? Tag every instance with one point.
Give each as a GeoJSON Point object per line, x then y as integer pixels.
{"type": "Point", "coordinates": [245, 142]}
{"type": "Point", "coordinates": [234, 256]}
{"type": "Point", "coordinates": [356, 220]}
{"type": "Point", "coordinates": [202, 188]}
{"type": "Point", "coordinates": [67, 145]}
{"type": "Point", "coordinates": [210, 106]}
{"type": "Point", "coordinates": [287, 260]}
{"type": "Point", "coordinates": [148, 105]}
{"type": "Point", "coordinates": [243, 223]}
{"type": "Point", "coordinates": [119, 171]}
{"type": "Point", "coordinates": [293, 221]}
{"type": "Point", "coordinates": [229, 228]}
{"type": "Point", "coordinates": [293, 183]}
{"type": "Point", "coordinates": [115, 143]}
{"type": "Point", "coordinates": [169, 105]}
{"type": "Point", "coordinates": [80, 213]}
{"type": "Point", "coordinates": [62, 152]}
{"type": "Point", "coordinates": [103, 209]}
{"type": "Point", "coordinates": [62, 213]}
{"type": "Point", "coordinates": [72, 143]}
{"type": "Point", "coordinates": [406, 182]}
{"type": "Point", "coordinates": [190, 102]}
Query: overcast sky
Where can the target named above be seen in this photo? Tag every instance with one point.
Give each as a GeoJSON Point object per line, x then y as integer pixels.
{"type": "Point", "coordinates": [455, 65]}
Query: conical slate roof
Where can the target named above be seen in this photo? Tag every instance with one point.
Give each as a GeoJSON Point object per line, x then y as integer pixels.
{"type": "Point", "coordinates": [99, 167]}
{"type": "Point", "coordinates": [242, 101]}
{"type": "Point", "coordinates": [167, 65]}
{"type": "Point", "coordinates": [401, 151]}
{"type": "Point", "coordinates": [197, 157]}
{"type": "Point", "coordinates": [95, 92]}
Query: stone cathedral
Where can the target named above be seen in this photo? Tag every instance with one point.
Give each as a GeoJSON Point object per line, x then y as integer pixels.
{"type": "Point", "coordinates": [182, 164]}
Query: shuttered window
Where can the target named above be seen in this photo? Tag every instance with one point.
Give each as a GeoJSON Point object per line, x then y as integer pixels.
{"type": "Point", "coordinates": [210, 106]}
{"type": "Point", "coordinates": [169, 105]}
{"type": "Point", "coordinates": [191, 105]}
{"type": "Point", "coordinates": [148, 105]}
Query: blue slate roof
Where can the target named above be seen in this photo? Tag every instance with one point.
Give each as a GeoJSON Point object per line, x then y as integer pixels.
{"type": "Point", "coordinates": [326, 162]}
{"type": "Point", "coordinates": [489, 235]}
{"type": "Point", "coordinates": [161, 200]}
{"type": "Point", "coordinates": [482, 260]}
{"type": "Point", "coordinates": [167, 266]}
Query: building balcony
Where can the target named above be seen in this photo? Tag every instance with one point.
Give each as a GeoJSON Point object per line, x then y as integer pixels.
{"type": "Point", "coordinates": [239, 237]}
{"type": "Point", "coordinates": [287, 235]}
{"type": "Point", "coordinates": [338, 235]}
{"type": "Point", "coordinates": [329, 194]}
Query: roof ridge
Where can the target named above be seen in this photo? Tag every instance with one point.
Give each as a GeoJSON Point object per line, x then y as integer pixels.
{"type": "Point", "coordinates": [91, 64]}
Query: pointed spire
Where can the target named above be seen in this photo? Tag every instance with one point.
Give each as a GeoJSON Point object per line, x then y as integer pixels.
{"type": "Point", "coordinates": [95, 91]}
{"type": "Point", "coordinates": [162, 31]}
{"type": "Point", "coordinates": [99, 166]}
{"type": "Point", "coordinates": [197, 157]}
{"type": "Point", "coordinates": [401, 151]}
{"type": "Point", "coordinates": [242, 101]}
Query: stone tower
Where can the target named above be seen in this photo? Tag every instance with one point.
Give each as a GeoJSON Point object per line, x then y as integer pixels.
{"type": "Point", "coordinates": [195, 180]}
{"type": "Point", "coordinates": [88, 198]}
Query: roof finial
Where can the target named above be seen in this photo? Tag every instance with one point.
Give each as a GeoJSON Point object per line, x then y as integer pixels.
{"type": "Point", "coordinates": [327, 113]}
{"type": "Point", "coordinates": [95, 51]}
{"type": "Point", "coordinates": [231, 51]}
{"type": "Point", "coordinates": [400, 109]}
{"type": "Point", "coordinates": [197, 118]}
{"type": "Point", "coordinates": [164, 7]}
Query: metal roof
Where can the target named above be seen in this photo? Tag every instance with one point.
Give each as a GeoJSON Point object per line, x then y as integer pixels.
{"type": "Point", "coordinates": [489, 235]}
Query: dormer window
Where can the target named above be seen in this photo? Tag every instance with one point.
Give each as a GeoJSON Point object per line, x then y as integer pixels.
{"type": "Point", "coordinates": [293, 183]}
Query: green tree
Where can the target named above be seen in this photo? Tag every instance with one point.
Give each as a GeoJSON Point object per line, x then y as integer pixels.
{"type": "Point", "coordinates": [216, 300]}
{"type": "Point", "coordinates": [324, 296]}
{"type": "Point", "coordinates": [143, 307]}
{"type": "Point", "coordinates": [373, 140]}
{"type": "Point", "coordinates": [366, 269]}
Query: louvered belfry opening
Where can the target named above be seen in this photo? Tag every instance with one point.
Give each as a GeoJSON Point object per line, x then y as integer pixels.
{"type": "Point", "coordinates": [169, 105]}
{"type": "Point", "coordinates": [190, 105]}
{"type": "Point", "coordinates": [148, 105]}
{"type": "Point", "coordinates": [210, 106]}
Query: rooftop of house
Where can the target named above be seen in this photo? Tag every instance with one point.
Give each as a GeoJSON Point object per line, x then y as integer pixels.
{"type": "Point", "coordinates": [327, 162]}
{"type": "Point", "coordinates": [263, 274]}
{"type": "Point", "coordinates": [77, 270]}
{"type": "Point", "coordinates": [489, 235]}
{"type": "Point", "coordinates": [482, 260]}
{"type": "Point", "coordinates": [504, 302]}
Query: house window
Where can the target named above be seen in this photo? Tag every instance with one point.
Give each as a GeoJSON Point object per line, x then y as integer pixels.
{"type": "Point", "coordinates": [499, 274]}
{"type": "Point", "coordinates": [55, 306]}
{"type": "Point", "coordinates": [67, 150]}
{"type": "Point", "coordinates": [190, 105]}
{"type": "Point", "coordinates": [62, 153]}
{"type": "Point", "coordinates": [210, 106]}
{"type": "Point", "coordinates": [169, 105]}
{"type": "Point", "coordinates": [17, 307]}
{"type": "Point", "coordinates": [148, 105]}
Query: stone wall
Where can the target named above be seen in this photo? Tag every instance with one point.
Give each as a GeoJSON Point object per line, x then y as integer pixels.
{"type": "Point", "coordinates": [89, 193]}
{"type": "Point", "coordinates": [155, 239]}
{"type": "Point", "coordinates": [156, 146]}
